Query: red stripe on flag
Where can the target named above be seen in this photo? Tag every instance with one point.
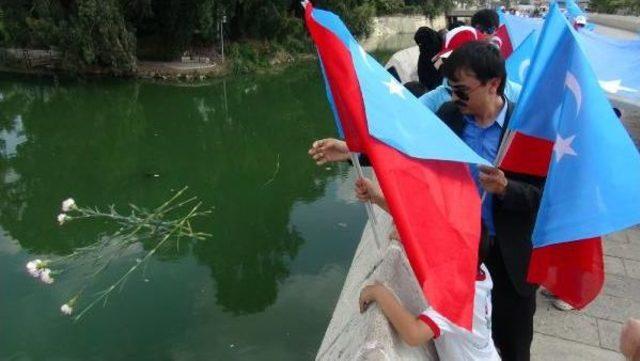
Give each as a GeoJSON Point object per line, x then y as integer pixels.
{"type": "Point", "coordinates": [436, 208]}
{"type": "Point", "coordinates": [573, 271]}
{"type": "Point", "coordinates": [506, 48]}
{"type": "Point", "coordinates": [526, 154]}
{"type": "Point", "coordinates": [435, 204]}
{"type": "Point", "coordinates": [338, 65]}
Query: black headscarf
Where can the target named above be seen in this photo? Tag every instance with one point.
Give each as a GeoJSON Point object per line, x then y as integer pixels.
{"type": "Point", "coordinates": [430, 43]}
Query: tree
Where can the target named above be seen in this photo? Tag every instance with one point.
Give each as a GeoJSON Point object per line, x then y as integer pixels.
{"type": "Point", "coordinates": [94, 33]}
{"type": "Point", "coordinates": [112, 34]}
{"type": "Point", "coordinates": [612, 6]}
{"type": "Point", "coordinates": [3, 31]}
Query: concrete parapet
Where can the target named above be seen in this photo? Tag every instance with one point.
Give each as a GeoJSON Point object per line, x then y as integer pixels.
{"type": "Point", "coordinates": [405, 24]}
{"type": "Point", "coordinates": [369, 336]}
{"type": "Point", "coordinates": [629, 23]}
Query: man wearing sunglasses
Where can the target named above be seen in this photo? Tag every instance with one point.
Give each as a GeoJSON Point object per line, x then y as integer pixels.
{"type": "Point", "coordinates": [479, 113]}
{"type": "Point", "coordinates": [435, 98]}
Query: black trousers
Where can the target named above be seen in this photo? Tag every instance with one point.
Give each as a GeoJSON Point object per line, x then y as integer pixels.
{"type": "Point", "coordinates": [512, 315]}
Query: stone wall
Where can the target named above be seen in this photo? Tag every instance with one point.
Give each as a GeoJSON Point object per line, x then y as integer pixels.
{"type": "Point", "coordinates": [629, 23]}
{"type": "Point", "coordinates": [396, 32]}
{"type": "Point", "coordinates": [354, 336]}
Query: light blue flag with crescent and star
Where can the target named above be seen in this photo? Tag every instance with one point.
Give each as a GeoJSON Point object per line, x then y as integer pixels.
{"type": "Point", "coordinates": [592, 184]}
{"type": "Point", "coordinates": [520, 60]}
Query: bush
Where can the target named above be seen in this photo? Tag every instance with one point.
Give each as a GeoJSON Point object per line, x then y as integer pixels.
{"type": "Point", "coordinates": [357, 14]}
{"type": "Point", "coordinates": [3, 30]}
{"type": "Point", "coordinates": [87, 33]}
{"type": "Point", "coordinates": [385, 7]}
{"type": "Point", "coordinates": [110, 34]}
{"type": "Point", "coordinates": [96, 35]}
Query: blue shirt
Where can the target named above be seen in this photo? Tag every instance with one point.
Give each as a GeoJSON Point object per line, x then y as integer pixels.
{"type": "Point", "coordinates": [485, 142]}
{"type": "Point", "coordinates": [442, 94]}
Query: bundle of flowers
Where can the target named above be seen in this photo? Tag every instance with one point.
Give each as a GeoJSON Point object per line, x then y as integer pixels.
{"type": "Point", "coordinates": [156, 228]}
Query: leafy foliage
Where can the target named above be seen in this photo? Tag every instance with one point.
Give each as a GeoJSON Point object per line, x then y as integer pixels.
{"type": "Point", "coordinates": [112, 34]}
{"type": "Point", "coordinates": [612, 6]}
{"type": "Point", "coordinates": [3, 31]}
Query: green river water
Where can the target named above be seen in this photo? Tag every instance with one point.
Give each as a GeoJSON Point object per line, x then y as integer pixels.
{"type": "Point", "coordinates": [263, 287]}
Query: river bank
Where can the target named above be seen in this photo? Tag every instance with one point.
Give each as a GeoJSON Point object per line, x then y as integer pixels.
{"type": "Point", "coordinates": [256, 58]}
{"type": "Point", "coordinates": [389, 33]}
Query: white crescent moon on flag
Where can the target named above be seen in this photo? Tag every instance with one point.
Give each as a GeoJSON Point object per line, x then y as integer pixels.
{"type": "Point", "coordinates": [572, 84]}
{"type": "Point", "coordinates": [522, 70]}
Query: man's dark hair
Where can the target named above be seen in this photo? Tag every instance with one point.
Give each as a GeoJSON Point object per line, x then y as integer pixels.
{"type": "Point", "coordinates": [479, 57]}
{"type": "Point", "coordinates": [455, 24]}
{"type": "Point", "coordinates": [486, 20]}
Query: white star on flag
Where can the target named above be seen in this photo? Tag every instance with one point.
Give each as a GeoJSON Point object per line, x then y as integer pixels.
{"type": "Point", "coordinates": [394, 87]}
{"type": "Point", "coordinates": [614, 86]}
{"type": "Point", "coordinates": [363, 54]}
{"type": "Point", "coordinates": [563, 146]}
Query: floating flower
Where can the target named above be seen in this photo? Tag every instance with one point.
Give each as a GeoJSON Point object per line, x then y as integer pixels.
{"type": "Point", "coordinates": [62, 218]}
{"type": "Point", "coordinates": [67, 309]}
{"type": "Point", "coordinates": [45, 276]}
{"type": "Point", "coordinates": [34, 267]}
{"type": "Point", "coordinates": [68, 204]}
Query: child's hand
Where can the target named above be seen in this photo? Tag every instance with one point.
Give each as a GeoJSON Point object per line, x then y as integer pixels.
{"type": "Point", "coordinates": [368, 295]}
{"type": "Point", "coordinates": [367, 191]}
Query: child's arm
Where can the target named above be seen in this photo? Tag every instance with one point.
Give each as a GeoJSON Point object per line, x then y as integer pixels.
{"type": "Point", "coordinates": [411, 329]}
{"type": "Point", "coordinates": [366, 191]}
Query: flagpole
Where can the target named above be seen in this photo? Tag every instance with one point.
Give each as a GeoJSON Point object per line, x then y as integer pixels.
{"type": "Point", "coordinates": [368, 206]}
{"type": "Point", "coordinates": [499, 156]}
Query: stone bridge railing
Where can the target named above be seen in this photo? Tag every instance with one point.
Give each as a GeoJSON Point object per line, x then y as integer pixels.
{"type": "Point", "coordinates": [369, 336]}
{"type": "Point", "coordinates": [623, 22]}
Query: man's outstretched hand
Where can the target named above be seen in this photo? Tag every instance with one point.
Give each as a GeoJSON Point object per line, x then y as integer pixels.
{"type": "Point", "coordinates": [329, 150]}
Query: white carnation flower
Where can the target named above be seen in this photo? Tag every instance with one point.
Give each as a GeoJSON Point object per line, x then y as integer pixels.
{"type": "Point", "coordinates": [66, 309]}
{"type": "Point", "coordinates": [45, 276]}
{"type": "Point", "coordinates": [33, 267]}
{"type": "Point", "coordinates": [34, 273]}
{"type": "Point", "coordinates": [62, 218]}
{"type": "Point", "coordinates": [68, 204]}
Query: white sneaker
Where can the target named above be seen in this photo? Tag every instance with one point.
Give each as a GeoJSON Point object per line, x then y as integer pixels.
{"type": "Point", "coordinates": [561, 305]}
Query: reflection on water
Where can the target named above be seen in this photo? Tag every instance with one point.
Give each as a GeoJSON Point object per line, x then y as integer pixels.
{"type": "Point", "coordinates": [240, 145]}
{"type": "Point", "coordinates": [11, 137]}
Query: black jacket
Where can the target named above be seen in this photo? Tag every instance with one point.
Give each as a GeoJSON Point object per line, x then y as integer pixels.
{"type": "Point", "coordinates": [514, 214]}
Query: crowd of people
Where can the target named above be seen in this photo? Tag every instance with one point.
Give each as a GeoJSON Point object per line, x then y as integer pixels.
{"type": "Point", "coordinates": [462, 79]}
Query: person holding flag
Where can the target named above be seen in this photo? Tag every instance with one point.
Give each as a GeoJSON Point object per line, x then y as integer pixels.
{"type": "Point", "coordinates": [412, 152]}
{"type": "Point", "coordinates": [453, 40]}
{"type": "Point", "coordinates": [479, 113]}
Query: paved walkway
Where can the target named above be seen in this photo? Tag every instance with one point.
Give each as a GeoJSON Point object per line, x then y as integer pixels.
{"type": "Point", "coordinates": [593, 333]}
